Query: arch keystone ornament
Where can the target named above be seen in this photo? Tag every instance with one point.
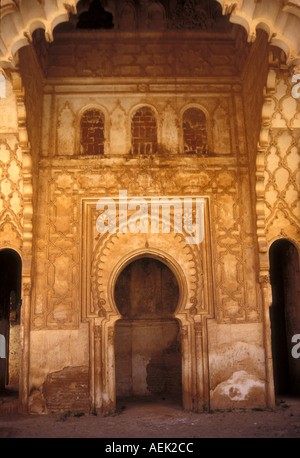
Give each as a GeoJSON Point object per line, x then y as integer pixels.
{"type": "Point", "coordinates": [104, 258]}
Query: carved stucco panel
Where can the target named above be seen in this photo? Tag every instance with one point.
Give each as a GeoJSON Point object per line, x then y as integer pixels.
{"type": "Point", "coordinates": [103, 252]}
{"type": "Point", "coordinates": [66, 131]}
{"type": "Point", "coordinates": [11, 193]}
{"type": "Point", "coordinates": [56, 260]}
{"type": "Point", "coordinates": [281, 173]}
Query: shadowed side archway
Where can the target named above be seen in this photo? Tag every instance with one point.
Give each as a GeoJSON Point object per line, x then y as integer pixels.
{"type": "Point", "coordinates": [147, 338]}
{"type": "Point", "coordinates": [10, 305]}
{"type": "Point", "coordinates": [285, 316]}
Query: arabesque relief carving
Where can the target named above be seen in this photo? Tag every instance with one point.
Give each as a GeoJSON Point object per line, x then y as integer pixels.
{"type": "Point", "coordinates": [11, 203]}
{"type": "Point", "coordinates": [281, 163]}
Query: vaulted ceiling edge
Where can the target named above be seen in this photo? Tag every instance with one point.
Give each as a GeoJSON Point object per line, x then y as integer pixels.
{"type": "Point", "coordinates": [280, 19]}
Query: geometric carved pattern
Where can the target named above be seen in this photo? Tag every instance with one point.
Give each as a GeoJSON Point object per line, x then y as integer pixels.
{"type": "Point", "coordinates": [57, 263]}
{"type": "Point", "coordinates": [282, 162]}
{"type": "Point", "coordinates": [226, 186]}
{"type": "Point", "coordinates": [102, 253]}
{"type": "Point", "coordinates": [11, 195]}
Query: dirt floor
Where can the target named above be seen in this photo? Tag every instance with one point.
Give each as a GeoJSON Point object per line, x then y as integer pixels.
{"type": "Point", "coordinates": [156, 419]}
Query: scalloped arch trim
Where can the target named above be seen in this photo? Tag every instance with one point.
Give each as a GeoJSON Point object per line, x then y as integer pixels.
{"type": "Point", "coordinates": [17, 26]}
{"type": "Point", "coordinates": [279, 18]}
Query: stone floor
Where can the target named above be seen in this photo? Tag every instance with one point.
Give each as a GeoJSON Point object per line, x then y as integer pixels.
{"type": "Point", "coordinates": [161, 418]}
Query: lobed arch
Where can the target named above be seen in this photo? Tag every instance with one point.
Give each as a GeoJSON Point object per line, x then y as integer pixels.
{"type": "Point", "coordinates": [18, 26]}
{"type": "Point", "coordinates": [110, 257]}
{"type": "Point", "coordinates": [160, 256]}
{"type": "Point", "coordinates": [114, 251]}
{"type": "Point", "coordinates": [280, 21]}
{"type": "Point", "coordinates": [104, 257]}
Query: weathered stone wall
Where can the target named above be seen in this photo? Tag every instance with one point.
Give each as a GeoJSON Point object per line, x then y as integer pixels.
{"type": "Point", "coordinates": [148, 358]}
{"type": "Point", "coordinates": [59, 370]}
{"type": "Point", "coordinates": [14, 354]}
{"type": "Point", "coordinates": [11, 169]}
{"type": "Point", "coordinates": [66, 178]}
{"type": "Point", "coordinates": [171, 73]}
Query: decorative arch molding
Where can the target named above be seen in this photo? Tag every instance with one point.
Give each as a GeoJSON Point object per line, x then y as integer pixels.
{"type": "Point", "coordinates": [121, 249]}
{"type": "Point", "coordinates": [281, 20]}
{"type": "Point", "coordinates": [19, 21]}
{"type": "Point", "coordinates": [104, 257]}
{"type": "Point", "coordinates": [276, 220]}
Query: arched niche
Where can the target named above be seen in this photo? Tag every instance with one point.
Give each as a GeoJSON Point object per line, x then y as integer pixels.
{"type": "Point", "coordinates": [147, 338]}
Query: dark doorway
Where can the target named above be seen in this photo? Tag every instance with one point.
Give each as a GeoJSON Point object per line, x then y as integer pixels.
{"type": "Point", "coordinates": [10, 304]}
{"type": "Point", "coordinates": [285, 316]}
{"type": "Point", "coordinates": [147, 339]}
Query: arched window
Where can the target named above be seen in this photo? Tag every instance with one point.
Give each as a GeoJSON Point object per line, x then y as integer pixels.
{"type": "Point", "coordinates": [92, 132]}
{"type": "Point", "coordinates": [194, 131]}
{"type": "Point", "coordinates": [144, 131]}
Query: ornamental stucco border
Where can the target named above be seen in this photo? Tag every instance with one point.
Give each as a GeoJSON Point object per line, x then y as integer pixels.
{"type": "Point", "coordinates": [280, 21]}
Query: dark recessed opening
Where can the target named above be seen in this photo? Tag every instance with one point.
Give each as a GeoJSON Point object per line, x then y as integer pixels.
{"type": "Point", "coordinates": [147, 339]}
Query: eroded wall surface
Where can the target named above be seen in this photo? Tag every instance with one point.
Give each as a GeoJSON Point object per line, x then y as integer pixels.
{"type": "Point", "coordinates": [71, 325]}
{"type": "Point", "coordinates": [66, 179]}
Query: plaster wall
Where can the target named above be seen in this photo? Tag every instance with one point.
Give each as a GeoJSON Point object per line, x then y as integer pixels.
{"type": "Point", "coordinates": [61, 297]}
{"type": "Point", "coordinates": [221, 318]}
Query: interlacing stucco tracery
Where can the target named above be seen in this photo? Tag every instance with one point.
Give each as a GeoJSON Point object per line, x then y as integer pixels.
{"type": "Point", "coordinates": [281, 159]}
